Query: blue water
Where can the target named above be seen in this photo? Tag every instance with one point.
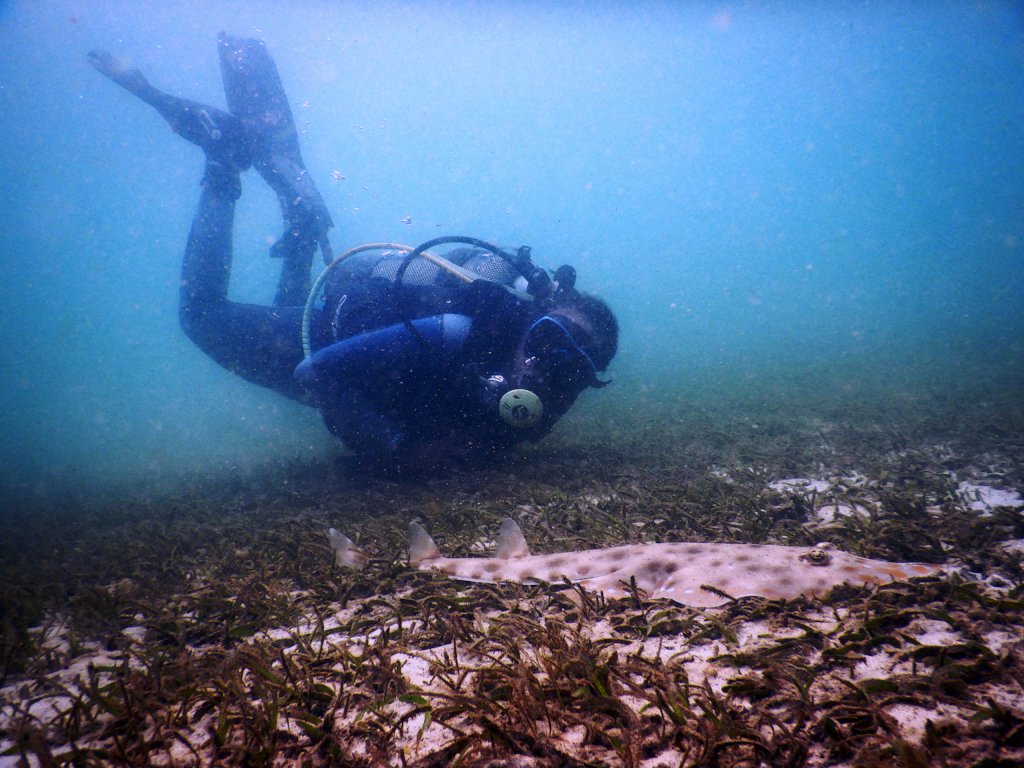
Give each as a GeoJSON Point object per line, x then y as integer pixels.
{"type": "Point", "coordinates": [751, 185]}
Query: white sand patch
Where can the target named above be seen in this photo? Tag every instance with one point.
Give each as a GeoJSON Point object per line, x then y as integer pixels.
{"type": "Point", "coordinates": [999, 641]}
{"type": "Point", "coordinates": [415, 669]}
{"type": "Point", "coordinates": [309, 626]}
{"type": "Point", "coordinates": [1015, 546]}
{"type": "Point", "coordinates": [913, 720]}
{"type": "Point", "coordinates": [984, 498]}
{"type": "Point", "coordinates": [13, 761]}
{"type": "Point", "coordinates": [801, 485]}
{"type": "Point", "coordinates": [924, 632]}
{"type": "Point", "coordinates": [48, 696]}
{"type": "Point", "coordinates": [670, 758]}
{"type": "Point", "coordinates": [483, 544]}
{"type": "Point", "coordinates": [136, 634]}
{"type": "Point", "coordinates": [930, 632]}
{"type": "Point", "coordinates": [828, 514]}
{"type": "Point", "coordinates": [832, 490]}
{"type": "Point", "coordinates": [854, 479]}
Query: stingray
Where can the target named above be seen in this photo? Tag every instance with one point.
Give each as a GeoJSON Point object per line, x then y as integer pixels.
{"type": "Point", "coordinates": [694, 574]}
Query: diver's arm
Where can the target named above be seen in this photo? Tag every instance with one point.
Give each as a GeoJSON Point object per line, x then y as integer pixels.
{"type": "Point", "coordinates": [359, 382]}
{"type": "Point", "coordinates": [424, 345]}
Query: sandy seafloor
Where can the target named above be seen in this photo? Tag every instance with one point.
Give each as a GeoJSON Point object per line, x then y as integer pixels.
{"type": "Point", "coordinates": [208, 626]}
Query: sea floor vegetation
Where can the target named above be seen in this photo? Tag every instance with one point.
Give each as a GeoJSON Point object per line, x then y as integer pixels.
{"type": "Point", "coordinates": [211, 626]}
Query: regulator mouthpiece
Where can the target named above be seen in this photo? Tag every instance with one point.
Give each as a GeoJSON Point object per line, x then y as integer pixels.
{"type": "Point", "coordinates": [520, 408]}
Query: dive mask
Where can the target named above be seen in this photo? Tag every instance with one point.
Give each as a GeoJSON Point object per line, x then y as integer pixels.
{"type": "Point", "coordinates": [551, 343]}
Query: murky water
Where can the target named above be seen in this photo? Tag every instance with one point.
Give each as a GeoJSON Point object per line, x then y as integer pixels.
{"type": "Point", "coordinates": [786, 197]}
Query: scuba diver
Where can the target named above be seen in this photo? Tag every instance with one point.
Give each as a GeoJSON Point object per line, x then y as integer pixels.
{"type": "Point", "coordinates": [413, 358]}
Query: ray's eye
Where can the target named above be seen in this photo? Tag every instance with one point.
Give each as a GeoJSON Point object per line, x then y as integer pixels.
{"type": "Point", "coordinates": [817, 557]}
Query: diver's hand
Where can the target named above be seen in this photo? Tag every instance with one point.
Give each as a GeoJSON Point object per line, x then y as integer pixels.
{"type": "Point", "coordinates": [128, 77]}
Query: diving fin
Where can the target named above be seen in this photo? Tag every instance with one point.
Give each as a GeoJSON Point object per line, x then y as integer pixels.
{"type": "Point", "coordinates": [256, 96]}
{"type": "Point", "coordinates": [221, 136]}
{"type": "Point", "coordinates": [124, 74]}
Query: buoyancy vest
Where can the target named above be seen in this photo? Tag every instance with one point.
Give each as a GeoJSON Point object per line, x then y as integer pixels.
{"type": "Point", "coordinates": [364, 294]}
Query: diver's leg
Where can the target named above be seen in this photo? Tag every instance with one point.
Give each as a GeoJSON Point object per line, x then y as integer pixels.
{"type": "Point", "coordinates": [261, 344]}
{"type": "Point", "coordinates": [206, 270]}
{"type": "Point", "coordinates": [256, 96]}
{"type": "Point", "coordinates": [222, 136]}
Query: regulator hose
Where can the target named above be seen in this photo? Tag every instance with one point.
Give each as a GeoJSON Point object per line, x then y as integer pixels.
{"type": "Point", "coordinates": [314, 292]}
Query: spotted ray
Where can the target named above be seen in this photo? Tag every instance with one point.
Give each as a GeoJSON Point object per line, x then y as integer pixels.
{"type": "Point", "coordinates": [686, 573]}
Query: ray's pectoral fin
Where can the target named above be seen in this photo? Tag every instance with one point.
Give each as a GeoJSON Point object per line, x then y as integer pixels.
{"type": "Point", "coordinates": [421, 546]}
{"type": "Point", "coordinates": [345, 553]}
{"type": "Point", "coordinates": [511, 542]}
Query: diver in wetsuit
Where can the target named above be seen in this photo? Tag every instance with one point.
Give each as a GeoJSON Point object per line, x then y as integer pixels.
{"type": "Point", "coordinates": [412, 358]}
